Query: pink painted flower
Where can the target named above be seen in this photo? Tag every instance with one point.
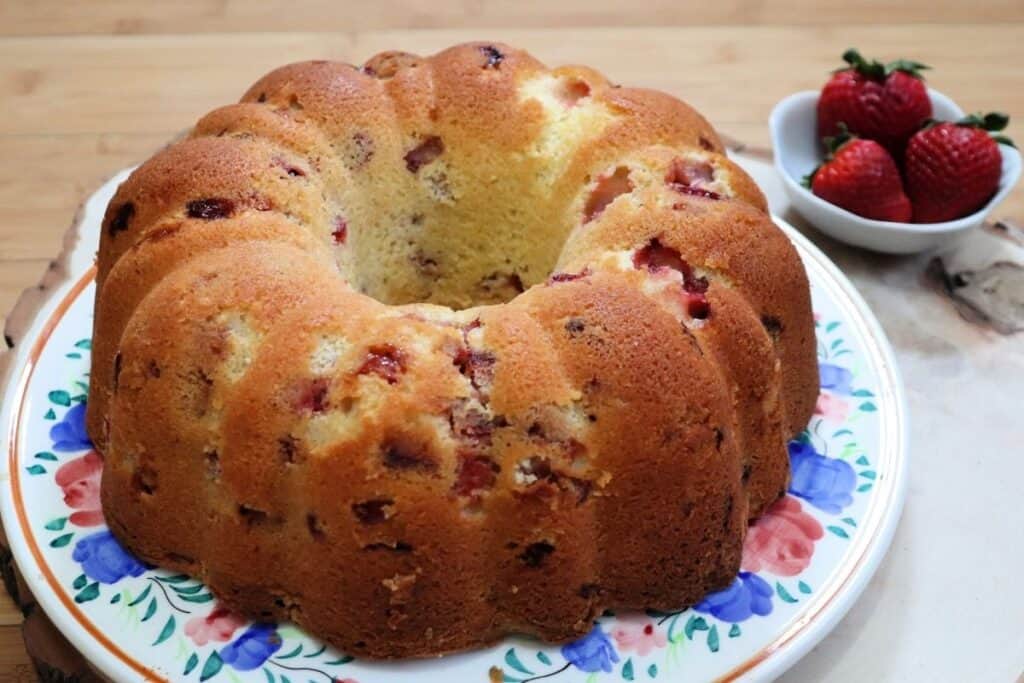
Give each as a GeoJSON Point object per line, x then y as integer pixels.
{"type": "Point", "coordinates": [218, 626]}
{"type": "Point", "coordinates": [832, 407]}
{"type": "Point", "coordinates": [637, 633]}
{"type": "Point", "coordinates": [782, 541]}
{"type": "Point", "coordinates": [80, 481]}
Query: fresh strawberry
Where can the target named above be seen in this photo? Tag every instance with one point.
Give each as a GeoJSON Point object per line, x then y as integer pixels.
{"type": "Point", "coordinates": [953, 169]}
{"type": "Point", "coordinates": [860, 176]}
{"type": "Point", "coordinates": [881, 102]}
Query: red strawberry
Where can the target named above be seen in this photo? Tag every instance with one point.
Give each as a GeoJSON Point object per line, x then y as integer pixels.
{"type": "Point", "coordinates": [881, 102]}
{"type": "Point", "coordinates": [861, 177]}
{"type": "Point", "coordinates": [953, 169]}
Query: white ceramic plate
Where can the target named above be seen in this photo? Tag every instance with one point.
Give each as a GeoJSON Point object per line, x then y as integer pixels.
{"type": "Point", "coordinates": [804, 563]}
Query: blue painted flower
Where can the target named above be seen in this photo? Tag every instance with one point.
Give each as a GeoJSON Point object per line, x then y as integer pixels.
{"type": "Point", "coordinates": [826, 483]}
{"type": "Point", "coordinates": [748, 594]}
{"type": "Point", "coordinates": [593, 652]}
{"type": "Point", "coordinates": [69, 434]}
{"type": "Point", "coordinates": [252, 648]}
{"type": "Point", "coordinates": [835, 378]}
{"type": "Point", "coordinates": [104, 560]}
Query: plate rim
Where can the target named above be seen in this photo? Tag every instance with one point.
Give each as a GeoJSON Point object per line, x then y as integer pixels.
{"type": "Point", "coordinates": [768, 662]}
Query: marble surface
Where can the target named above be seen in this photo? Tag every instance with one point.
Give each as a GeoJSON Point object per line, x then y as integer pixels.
{"type": "Point", "coordinates": [946, 603]}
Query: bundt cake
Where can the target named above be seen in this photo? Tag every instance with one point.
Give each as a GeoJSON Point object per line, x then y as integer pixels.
{"type": "Point", "coordinates": [425, 352]}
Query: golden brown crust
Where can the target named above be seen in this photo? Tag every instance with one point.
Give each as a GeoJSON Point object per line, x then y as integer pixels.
{"type": "Point", "coordinates": [290, 408]}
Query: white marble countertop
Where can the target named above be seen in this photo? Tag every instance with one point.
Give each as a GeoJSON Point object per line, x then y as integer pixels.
{"type": "Point", "coordinates": [947, 602]}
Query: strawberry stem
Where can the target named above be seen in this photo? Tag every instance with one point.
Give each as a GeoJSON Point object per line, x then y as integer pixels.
{"type": "Point", "coordinates": [907, 66]}
{"type": "Point", "coordinates": [993, 122]}
{"type": "Point", "coordinates": [832, 143]}
{"type": "Point", "coordinates": [875, 70]}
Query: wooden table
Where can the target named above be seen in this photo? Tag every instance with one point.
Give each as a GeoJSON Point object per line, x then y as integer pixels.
{"type": "Point", "coordinates": [89, 88]}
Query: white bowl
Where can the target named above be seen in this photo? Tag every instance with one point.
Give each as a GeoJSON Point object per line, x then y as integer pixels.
{"type": "Point", "coordinates": [798, 151]}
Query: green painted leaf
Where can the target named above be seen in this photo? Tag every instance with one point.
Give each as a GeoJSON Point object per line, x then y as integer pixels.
{"type": "Point", "coordinates": [505, 678]}
{"type": "Point", "coordinates": [673, 637]}
{"type": "Point", "coordinates": [804, 588]}
{"type": "Point", "coordinates": [713, 638]}
{"type": "Point", "coordinates": [79, 582]}
{"type": "Point", "coordinates": [150, 610]}
{"type": "Point", "coordinates": [56, 524]}
{"type": "Point", "coordinates": [542, 656]}
{"type": "Point", "coordinates": [212, 666]}
{"type": "Point", "coordinates": [833, 325]}
{"type": "Point", "coordinates": [83, 344]}
{"type": "Point", "coordinates": [863, 460]}
{"type": "Point", "coordinates": [269, 675]}
{"type": "Point", "coordinates": [694, 624]}
{"type": "Point", "coordinates": [83, 386]}
{"type": "Point", "coordinates": [734, 631]}
{"type": "Point", "coordinates": [784, 594]}
{"type": "Point", "coordinates": [166, 632]}
{"type": "Point", "coordinates": [652, 670]}
{"type": "Point", "coordinates": [868, 474]}
{"type": "Point", "coordinates": [193, 660]}
{"type": "Point", "coordinates": [838, 531]}
{"type": "Point", "coordinates": [90, 592]}
{"type": "Point", "coordinates": [62, 541]}
{"type": "Point", "coordinates": [73, 354]}
{"type": "Point", "coordinates": [285, 679]}
{"type": "Point", "coordinates": [116, 599]}
{"type": "Point", "coordinates": [60, 397]}
{"type": "Point", "coordinates": [864, 487]}
{"type": "Point", "coordinates": [836, 344]}
{"type": "Point", "coordinates": [177, 578]}
{"type": "Point", "coordinates": [841, 352]}
{"type": "Point", "coordinates": [50, 415]}
{"type": "Point", "coordinates": [36, 469]}
{"type": "Point", "coordinates": [46, 455]}
{"type": "Point", "coordinates": [344, 659]}
{"type": "Point", "coordinates": [867, 407]}
{"type": "Point", "coordinates": [188, 590]}
{"type": "Point", "coordinates": [317, 653]}
{"type": "Point", "coordinates": [513, 661]}
{"type": "Point", "coordinates": [842, 432]}
{"type": "Point", "coordinates": [142, 596]}
{"type": "Point", "coordinates": [78, 398]}
{"type": "Point", "coordinates": [627, 670]}
{"type": "Point", "coordinates": [862, 393]}
{"type": "Point", "coordinates": [201, 598]}
{"type": "Point", "coordinates": [293, 653]}
{"type": "Point", "coordinates": [849, 520]}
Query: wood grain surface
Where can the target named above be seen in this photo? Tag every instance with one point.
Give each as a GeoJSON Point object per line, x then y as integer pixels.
{"type": "Point", "coordinates": [87, 88]}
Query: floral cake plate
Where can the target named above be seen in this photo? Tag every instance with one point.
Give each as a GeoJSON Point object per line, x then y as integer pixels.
{"type": "Point", "coordinates": [804, 562]}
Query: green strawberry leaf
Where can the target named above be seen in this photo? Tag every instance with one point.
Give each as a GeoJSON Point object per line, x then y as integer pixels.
{"type": "Point", "coordinates": [995, 120]}
{"type": "Point", "coordinates": [907, 66]}
{"type": "Point", "coordinates": [873, 69]}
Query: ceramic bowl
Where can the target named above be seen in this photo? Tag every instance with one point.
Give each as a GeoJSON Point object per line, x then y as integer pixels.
{"type": "Point", "coordinates": [798, 151]}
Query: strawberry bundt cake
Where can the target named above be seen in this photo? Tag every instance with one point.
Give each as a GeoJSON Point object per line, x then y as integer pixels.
{"type": "Point", "coordinates": [437, 349]}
